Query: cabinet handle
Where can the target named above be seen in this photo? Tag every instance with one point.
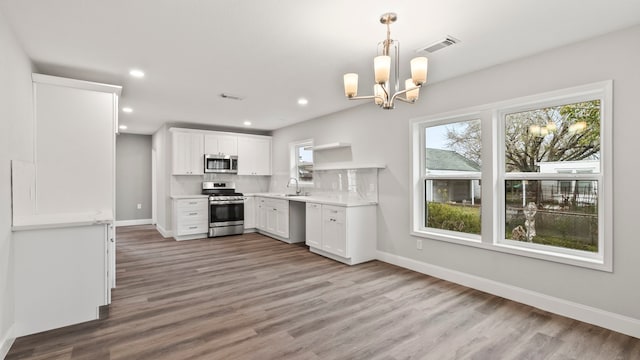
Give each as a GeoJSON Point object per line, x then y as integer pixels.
{"type": "Point", "coordinates": [192, 202]}
{"type": "Point", "coordinates": [193, 213]}
{"type": "Point", "coordinates": [193, 227]}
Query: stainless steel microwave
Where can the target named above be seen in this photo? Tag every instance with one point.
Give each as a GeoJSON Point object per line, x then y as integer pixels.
{"type": "Point", "coordinates": [221, 164]}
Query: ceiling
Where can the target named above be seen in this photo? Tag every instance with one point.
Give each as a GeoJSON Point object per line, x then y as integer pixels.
{"type": "Point", "coordinates": [273, 52]}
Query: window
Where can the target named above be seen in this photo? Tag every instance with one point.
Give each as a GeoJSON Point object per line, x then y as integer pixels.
{"type": "Point", "coordinates": [302, 161]}
{"type": "Point", "coordinates": [452, 195]}
{"type": "Point", "coordinates": [547, 159]}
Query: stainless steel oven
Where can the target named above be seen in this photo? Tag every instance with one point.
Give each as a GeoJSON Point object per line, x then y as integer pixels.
{"type": "Point", "coordinates": [226, 208]}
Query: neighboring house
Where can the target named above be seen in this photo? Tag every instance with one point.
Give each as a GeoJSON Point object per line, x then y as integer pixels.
{"type": "Point", "coordinates": [574, 191]}
{"type": "Point", "coordinates": [449, 162]}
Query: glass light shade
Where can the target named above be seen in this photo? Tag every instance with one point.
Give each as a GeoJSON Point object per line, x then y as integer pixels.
{"type": "Point", "coordinates": [382, 68]}
{"type": "Point", "coordinates": [378, 92]}
{"type": "Point", "coordinates": [419, 66]}
{"type": "Point", "coordinates": [351, 84]}
{"type": "Point", "coordinates": [412, 95]}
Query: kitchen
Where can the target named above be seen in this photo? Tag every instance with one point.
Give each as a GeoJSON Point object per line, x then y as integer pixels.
{"type": "Point", "coordinates": [237, 202]}
{"type": "Point", "coordinates": [363, 155]}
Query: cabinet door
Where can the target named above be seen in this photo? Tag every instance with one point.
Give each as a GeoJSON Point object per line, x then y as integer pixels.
{"type": "Point", "coordinates": [246, 156]}
{"type": "Point", "coordinates": [249, 212]}
{"type": "Point", "coordinates": [187, 151]}
{"type": "Point", "coordinates": [180, 151]}
{"type": "Point", "coordinates": [313, 224]}
{"type": "Point", "coordinates": [261, 213]}
{"type": "Point", "coordinates": [262, 162]}
{"type": "Point", "coordinates": [272, 219]}
{"type": "Point", "coordinates": [211, 144]}
{"type": "Point", "coordinates": [334, 231]}
{"type": "Point", "coordinates": [228, 144]}
{"type": "Point", "coordinates": [282, 218]}
{"type": "Point", "coordinates": [254, 156]}
{"type": "Point", "coordinates": [196, 154]}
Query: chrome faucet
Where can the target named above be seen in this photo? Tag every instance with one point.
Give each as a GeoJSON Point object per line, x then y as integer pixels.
{"type": "Point", "coordinates": [297, 185]}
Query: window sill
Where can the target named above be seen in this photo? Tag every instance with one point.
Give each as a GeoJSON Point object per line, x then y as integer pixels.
{"type": "Point", "coordinates": [546, 255]}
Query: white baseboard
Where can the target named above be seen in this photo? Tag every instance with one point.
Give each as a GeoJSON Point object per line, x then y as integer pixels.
{"type": "Point", "coordinates": [164, 232]}
{"type": "Point", "coordinates": [133, 222]}
{"type": "Point", "coordinates": [616, 322]}
{"type": "Point", "coordinates": [6, 342]}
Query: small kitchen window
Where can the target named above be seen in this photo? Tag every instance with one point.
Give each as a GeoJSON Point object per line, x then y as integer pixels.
{"type": "Point", "coordinates": [302, 161]}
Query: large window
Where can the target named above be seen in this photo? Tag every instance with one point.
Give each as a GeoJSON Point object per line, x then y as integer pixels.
{"type": "Point", "coordinates": [536, 181]}
{"type": "Point", "coordinates": [302, 161]}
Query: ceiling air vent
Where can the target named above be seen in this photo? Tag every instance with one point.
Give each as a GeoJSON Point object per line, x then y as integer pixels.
{"type": "Point", "coordinates": [231, 97]}
{"type": "Point", "coordinates": [441, 44]}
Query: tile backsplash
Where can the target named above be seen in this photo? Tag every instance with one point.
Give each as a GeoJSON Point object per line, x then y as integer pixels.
{"type": "Point", "coordinates": [358, 184]}
{"type": "Point", "coordinates": [190, 185]}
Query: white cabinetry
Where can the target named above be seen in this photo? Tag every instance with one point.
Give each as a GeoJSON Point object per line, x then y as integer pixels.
{"type": "Point", "coordinates": [63, 268]}
{"type": "Point", "coordinates": [188, 153]}
{"type": "Point", "coordinates": [220, 144]}
{"type": "Point", "coordinates": [190, 218]}
{"type": "Point", "coordinates": [314, 225]}
{"type": "Point", "coordinates": [254, 155]}
{"type": "Point", "coordinates": [345, 234]}
{"type": "Point", "coordinates": [273, 217]}
{"type": "Point", "coordinates": [334, 239]}
{"type": "Point", "coordinates": [250, 222]}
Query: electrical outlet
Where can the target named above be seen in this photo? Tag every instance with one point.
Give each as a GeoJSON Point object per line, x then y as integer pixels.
{"type": "Point", "coordinates": [419, 244]}
{"type": "Point", "coordinates": [139, 206]}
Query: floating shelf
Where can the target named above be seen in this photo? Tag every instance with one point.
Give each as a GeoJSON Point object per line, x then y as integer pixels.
{"type": "Point", "coordinates": [334, 145]}
{"type": "Point", "coordinates": [348, 166]}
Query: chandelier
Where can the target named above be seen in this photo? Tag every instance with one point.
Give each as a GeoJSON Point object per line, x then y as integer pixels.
{"type": "Point", "coordinates": [382, 69]}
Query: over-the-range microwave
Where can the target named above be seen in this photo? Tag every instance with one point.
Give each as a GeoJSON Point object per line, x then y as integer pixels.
{"type": "Point", "coordinates": [221, 164]}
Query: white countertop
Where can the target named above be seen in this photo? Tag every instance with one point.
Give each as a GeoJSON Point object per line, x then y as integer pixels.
{"type": "Point", "coordinates": [198, 196]}
{"type": "Point", "coordinates": [337, 200]}
{"type": "Point", "coordinates": [48, 221]}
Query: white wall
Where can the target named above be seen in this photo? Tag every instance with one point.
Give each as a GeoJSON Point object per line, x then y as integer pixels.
{"type": "Point", "coordinates": [383, 136]}
{"type": "Point", "coordinates": [16, 133]}
{"type": "Point", "coordinates": [133, 176]}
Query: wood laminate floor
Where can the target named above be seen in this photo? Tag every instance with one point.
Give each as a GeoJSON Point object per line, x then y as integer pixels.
{"type": "Point", "coordinates": [252, 297]}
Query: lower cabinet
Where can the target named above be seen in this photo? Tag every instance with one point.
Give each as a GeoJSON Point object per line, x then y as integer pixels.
{"type": "Point", "coordinates": [250, 219]}
{"type": "Point", "coordinates": [190, 218]}
{"type": "Point", "coordinates": [61, 276]}
{"type": "Point", "coordinates": [273, 217]}
{"type": "Point", "coordinates": [345, 234]}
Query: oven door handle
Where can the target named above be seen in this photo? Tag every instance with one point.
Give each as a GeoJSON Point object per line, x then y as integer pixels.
{"type": "Point", "coordinates": [223, 202]}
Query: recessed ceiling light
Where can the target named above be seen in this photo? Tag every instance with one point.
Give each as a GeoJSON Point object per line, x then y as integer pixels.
{"type": "Point", "coordinates": [123, 127]}
{"type": "Point", "coordinates": [303, 101]}
{"type": "Point", "coordinates": [247, 123]}
{"type": "Point", "coordinates": [136, 73]}
{"type": "Point", "coordinates": [127, 109]}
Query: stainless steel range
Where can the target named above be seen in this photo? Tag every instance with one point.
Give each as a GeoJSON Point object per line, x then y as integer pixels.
{"type": "Point", "coordinates": [226, 208]}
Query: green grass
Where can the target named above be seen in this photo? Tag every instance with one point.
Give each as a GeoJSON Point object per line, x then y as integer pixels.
{"type": "Point", "coordinates": [466, 219]}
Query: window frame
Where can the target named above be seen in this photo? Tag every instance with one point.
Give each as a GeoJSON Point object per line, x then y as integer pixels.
{"type": "Point", "coordinates": [493, 176]}
{"type": "Point", "coordinates": [293, 160]}
{"type": "Point", "coordinates": [447, 235]}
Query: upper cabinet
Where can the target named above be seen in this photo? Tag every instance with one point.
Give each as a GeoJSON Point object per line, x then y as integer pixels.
{"type": "Point", "coordinates": [187, 152]}
{"type": "Point", "coordinates": [254, 155]}
{"type": "Point", "coordinates": [221, 144]}
{"type": "Point", "coordinates": [189, 147]}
